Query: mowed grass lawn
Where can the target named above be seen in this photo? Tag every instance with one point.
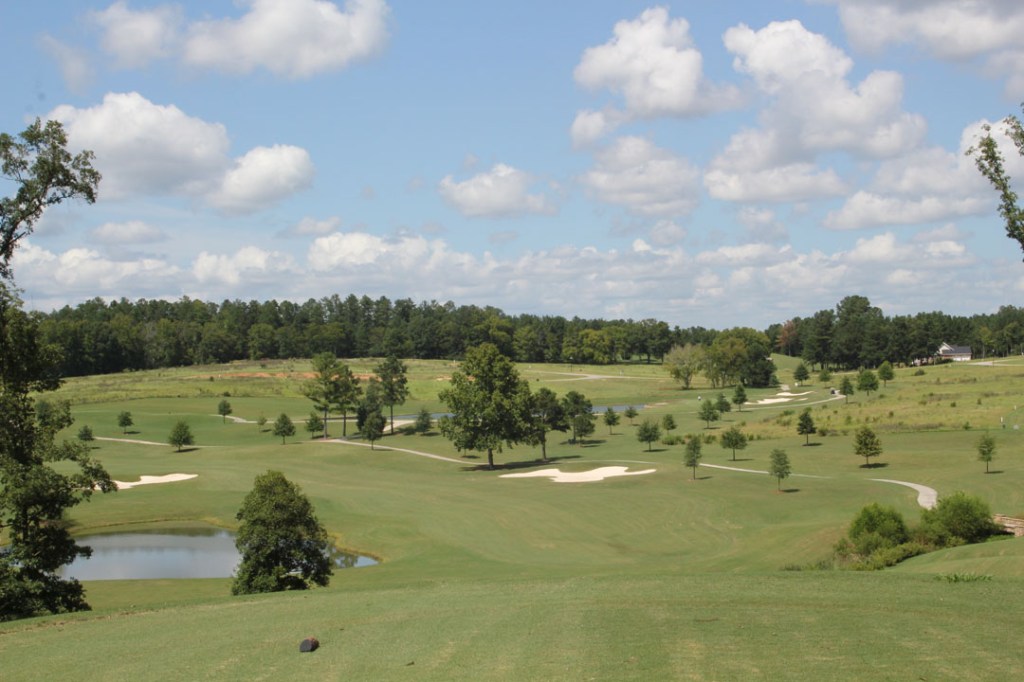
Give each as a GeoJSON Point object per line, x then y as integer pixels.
{"type": "Point", "coordinates": [644, 577]}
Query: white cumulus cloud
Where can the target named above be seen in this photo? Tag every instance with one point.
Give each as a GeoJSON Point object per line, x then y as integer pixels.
{"type": "Point", "coordinates": [136, 37]}
{"type": "Point", "coordinates": [290, 38]}
{"type": "Point", "coordinates": [501, 191]}
{"type": "Point", "coordinates": [263, 176]}
{"type": "Point", "coordinates": [130, 232]}
{"type": "Point", "coordinates": [634, 173]}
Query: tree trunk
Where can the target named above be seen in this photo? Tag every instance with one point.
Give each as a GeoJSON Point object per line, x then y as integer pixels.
{"type": "Point", "coordinates": [544, 448]}
{"type": "Point", "coordinates": [490, 458]}
{"type": "Point", "coordinates": [325, 423]}
{"type": "Point", "coordinates": [392, 410]}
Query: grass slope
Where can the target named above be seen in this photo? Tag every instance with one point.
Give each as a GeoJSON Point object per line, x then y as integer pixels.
{"type": "Point", "coordinates": [646, 577]}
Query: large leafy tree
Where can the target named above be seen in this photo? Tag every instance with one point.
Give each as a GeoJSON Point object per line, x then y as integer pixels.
{"type": "Point", "coordinates": [283, 545]}
{"type": "Point", "coordinates": [394, 384]}
{"type": "Point", "coordinates": [489, 403]}
{"type": "Point", "coordinates": [45, 173]}
{"type": "Point", "coordinates": [40, 478]}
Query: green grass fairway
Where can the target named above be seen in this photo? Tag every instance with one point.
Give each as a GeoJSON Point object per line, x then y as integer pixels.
{"type": "Point", "coordinates": [644, 577]}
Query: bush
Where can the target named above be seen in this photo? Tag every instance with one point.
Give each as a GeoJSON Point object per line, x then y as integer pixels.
{"type": "Point", "coordinates": [877, 527]}
{"type": "Point", "coordinates": [965, 518]}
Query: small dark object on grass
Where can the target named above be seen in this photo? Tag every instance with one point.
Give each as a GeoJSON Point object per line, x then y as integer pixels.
{"type": "Point", "coordinates": [309, 644]}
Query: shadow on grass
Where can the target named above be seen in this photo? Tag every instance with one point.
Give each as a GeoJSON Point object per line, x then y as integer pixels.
{"type": "Point", "coordinates": [874, 465]}
{"type": "Point", "coordinates": [995, 471]}
{"type": "Point", "coordinates": [812, 445]}
{"type": "Point", "coordinates": [184, 450]}
{"type": "Point", "coordinates": [790, 490]}
{"type": "Point", "coordinates": [526, 464]}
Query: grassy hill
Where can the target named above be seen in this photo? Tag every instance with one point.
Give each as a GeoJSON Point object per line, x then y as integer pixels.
{"type": "Point", "coordinates": [654, 576]}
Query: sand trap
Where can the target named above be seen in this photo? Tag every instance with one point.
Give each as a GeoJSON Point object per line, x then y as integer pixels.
{"type": "Point", "coordinates": [149, 480]}
{"type": "Point", "coordinates": [559, 476]}
{"type": "Point", "coordinates": [783, 397]}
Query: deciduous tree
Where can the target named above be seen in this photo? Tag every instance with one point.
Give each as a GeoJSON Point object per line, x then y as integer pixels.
{"type": "Point", "coordinates": [801, 373]}
{"type": "Point", "coordinates": [846, 388]}
{"type": "Point", "coordinates": [739, 397]}
{"type": "Point", "coordinates": [733, 439]}
{"type": "Point", "coordinates": [986, 450]}
{"type": "Point", "coordinates": [611, 419]}
{"type": "Point", "coordinates": [779, 466]}
{"type": "Point", "coordinates": [805, 425]}
{"type": "Point", "coordinates": [692, 454]}
{"type": "Point", "coordinates": [181, 435]}
{"type": "Point", "coordinates": [284, 427]}
{"type": "Point", "coordinates": [314, 424]}
{"type": "Point", "coordinates": [708, 412]}
{"type": "Point", "coordinates": [867, 381]}
{"type": "Point", "coordinates": [630, 414]}
{"type": "Point", "coordinates": [489, 403]}
{"type": "Point", "coordinates": [124, 420]}
{"type": "Point", "coordinates": [282, 544]}
{"type": "Point", "coordinates": [575, 404]}
{"type": "Point", "coordinates": [886, 373]}
{"type": "Point", "coordinates": [224, 409]}
{"type": "Point", "coordinates": [373, 426]}
{"type": "Point", "coordinates": [990, 161]}
{"type": "Point", "coordinates": [866, 444]}
{"type": "Point", "coordinates": [648, 432]}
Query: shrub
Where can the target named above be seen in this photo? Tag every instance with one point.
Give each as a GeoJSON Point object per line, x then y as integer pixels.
{"type": "Point", "coordinates": [877, 527]}
{"type": "Point", "coordinates": [961, 517]}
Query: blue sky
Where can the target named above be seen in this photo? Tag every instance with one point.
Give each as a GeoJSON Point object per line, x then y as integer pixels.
{"type": "Point", "coordinates": [715, 164]}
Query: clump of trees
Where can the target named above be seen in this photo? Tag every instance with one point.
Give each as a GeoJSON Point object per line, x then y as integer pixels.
{"type": "Point", "coordinates": [879, 536]}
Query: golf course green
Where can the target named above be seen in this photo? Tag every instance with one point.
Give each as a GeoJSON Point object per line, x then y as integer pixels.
{"type": "Point", "coordinates": [665, 574]}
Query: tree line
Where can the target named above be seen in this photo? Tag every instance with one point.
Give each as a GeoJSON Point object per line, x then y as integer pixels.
{"type": "Point", "coordinates": [99, 337]}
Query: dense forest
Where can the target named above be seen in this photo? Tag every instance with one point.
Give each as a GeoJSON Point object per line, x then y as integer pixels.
{"type": "Point", "coordinates": [98, 337]}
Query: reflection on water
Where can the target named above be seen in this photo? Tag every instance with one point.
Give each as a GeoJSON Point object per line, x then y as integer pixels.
{"type": "Point", "coordinates": [192, 553]}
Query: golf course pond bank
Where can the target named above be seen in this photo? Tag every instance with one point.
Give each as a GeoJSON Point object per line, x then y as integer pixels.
{"type": "Point", "coordinates": [170, 554]}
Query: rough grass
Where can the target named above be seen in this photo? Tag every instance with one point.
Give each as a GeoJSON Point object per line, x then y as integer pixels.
{"type": "Point", "coordinates": [646, 577]}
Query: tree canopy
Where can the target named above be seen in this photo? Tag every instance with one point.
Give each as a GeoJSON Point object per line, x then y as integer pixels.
{"type": "Point", "coordinates": [489, 403]}
{"type": "Point", "coordinates": [283, 545]}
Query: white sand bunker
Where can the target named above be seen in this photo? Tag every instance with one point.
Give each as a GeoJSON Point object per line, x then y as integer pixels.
{"type": "Point", "coordinates": [149, 480]}
{"type": "Point", "coordinates": [559, 476]}
{"type": "Point", "coordinates": [783, 397]}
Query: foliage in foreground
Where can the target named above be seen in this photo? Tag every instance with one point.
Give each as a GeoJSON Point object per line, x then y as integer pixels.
{"type": "Point", "coordinates": [283, 545]}
{"type": "Point", "coordinates": [879, 537]}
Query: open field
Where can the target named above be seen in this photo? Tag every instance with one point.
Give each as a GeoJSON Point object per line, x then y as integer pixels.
{"type": "Point", "coordinates": [654, 576]}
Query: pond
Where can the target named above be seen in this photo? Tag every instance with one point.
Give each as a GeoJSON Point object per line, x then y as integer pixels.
{"type": "Point", "coordinates": [192, 553]}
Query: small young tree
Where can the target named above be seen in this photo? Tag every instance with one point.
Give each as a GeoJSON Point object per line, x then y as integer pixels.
{"type": "Point", "coordinates": [648, 432]}
{"type": "Point", "coordinates": [708, 412]}
{"type": "Point", "coordinates": [423, 421]}
{"type": "Point", "coordinates": [805, 425]}
{"type": "Point", "coordinates": [181, 435]}
{"type": "Point", "coordinates": [284, 427]}
{"type": "Point", "coordinates": [722, 404]}
{"type": "Point", "coordinates": [986, 450]}
{"type": "Point", "coordinates": [611, 419]}
{"type": "Point", "coordinates": [124, 420]}
{"type": "Point", "coordinates": [824, 376]}
{"type": "Point", "coordinates": [867, 381]}
{"type": "Point", "coordinates": [886, 373]}
{"type": "Point", "coordinates": [583, 426]}
{"type": "Point", "coordinates": [282, 544]}
{"type": "Point", "coordinates": [733, 439]}
{"type": "Point", "coordinates": [631, 414]}
{"type": "Point", "coordinates": [691, 454]}
{"type": "Point", "coordinates": [261, 421]}
{"type": "Point", "coordinates": [668, 423]}
{"type": "Point", "coordinates": [801, 373]}
{"type": "Point", "coordinates": [779, 466]}
{"type": "Point", "coordinates": [224, 409]}
{"type": "Point", "coordinates": [373, 426]}
{"type": "Point", "coordinates": [846, 388]}
{"type": "Point", "coordinates": [314, 424]}
{"type": "Point", "coordinates": [739, 397]}
{"type": "Point", "coordinates": [866, 444]}
{"type": "Point", "coordinates": [575, 404]}
{"type": "Point", "coordinates": [85, 433]}
{"type": "Point", "coordinates": [394, 384]}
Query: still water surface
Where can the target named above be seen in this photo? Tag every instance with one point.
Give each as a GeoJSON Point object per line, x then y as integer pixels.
{"type": "Point", "coordinates": [192, 553]}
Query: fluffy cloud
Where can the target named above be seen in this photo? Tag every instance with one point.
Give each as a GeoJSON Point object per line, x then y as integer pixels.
{"type": "Point", "coordinates": [291, 38]}
{"type": "Point", "coordinates": [958, 30]}
{"type": "Point", "coordinates": [146, 148]}
{"type": "Point", "coordinates": [792, 182]}
{"type": "Point", "coordinates": [131, 232]}
{"type": "Point", "coordinates": [927, 186]}
{"type": "Point", "coordinates": [263, 176]}
{"type": "Point", "coordinates": [502, 191]}
{"type": "Point", "coordinates": [652, 63]}
{"type": "Point", "coordinates": [634, 173]}
{"type": "Point", "coordinates": [312, 226]}
{"type": "Point", "coordinates": [136, 37]}
{"type": "Point", "coordinates": [249, 264]}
